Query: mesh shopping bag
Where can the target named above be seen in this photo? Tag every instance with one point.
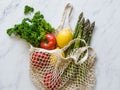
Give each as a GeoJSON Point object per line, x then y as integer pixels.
{"type": "Point", "coordinates": [49, 70]}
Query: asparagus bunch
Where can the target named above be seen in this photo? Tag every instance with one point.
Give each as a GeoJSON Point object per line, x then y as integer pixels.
{"type": "Point", "coordinates": [83, 30]}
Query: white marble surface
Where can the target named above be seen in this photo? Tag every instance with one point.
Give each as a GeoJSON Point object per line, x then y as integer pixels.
{"type": "Point", "coordinates": [14, 54]}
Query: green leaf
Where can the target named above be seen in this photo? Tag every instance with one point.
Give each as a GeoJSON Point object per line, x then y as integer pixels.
{"type": "Point", "coordinates": [28, 9]}
{"type": "Point", "coordinates": [10, 31]}
{"type": "Point", "coordinates": [32, 30]}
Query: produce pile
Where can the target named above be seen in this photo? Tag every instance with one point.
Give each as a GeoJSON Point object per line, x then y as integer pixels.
{"type": "Point", "coordinates": [41, 35]}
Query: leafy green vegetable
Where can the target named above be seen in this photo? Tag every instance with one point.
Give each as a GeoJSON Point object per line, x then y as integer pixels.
{"type": "Point", "coordinates": [32, 30]}
{"type": "Point", "coordinates": [28, 9]}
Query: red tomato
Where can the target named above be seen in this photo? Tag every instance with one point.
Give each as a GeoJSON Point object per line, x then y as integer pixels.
{"type": "Point", "coordinates": [51, 80]}
{"type": "Point", "coordinates": [51, 42]}
{"type": "Point", "coordinates": [40, 59]}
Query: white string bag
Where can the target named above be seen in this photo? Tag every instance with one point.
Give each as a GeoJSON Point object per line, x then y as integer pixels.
{"type": "Point", "coordinates": [49, 70]}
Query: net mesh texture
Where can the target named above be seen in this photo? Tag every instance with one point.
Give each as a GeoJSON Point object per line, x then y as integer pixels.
{"type": "Point", "coordinates": [49, 70]}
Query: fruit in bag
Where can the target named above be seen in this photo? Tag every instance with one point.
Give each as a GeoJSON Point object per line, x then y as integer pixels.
{"type": "Point", "coordinates": [64, 37]}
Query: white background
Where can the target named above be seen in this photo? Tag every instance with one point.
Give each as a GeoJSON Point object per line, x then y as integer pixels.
{"type": "Point", "coordinates": [14, 53]}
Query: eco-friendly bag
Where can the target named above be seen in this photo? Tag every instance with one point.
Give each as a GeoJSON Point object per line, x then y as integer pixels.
{"type": "Point", "coordinates": [49, 70]}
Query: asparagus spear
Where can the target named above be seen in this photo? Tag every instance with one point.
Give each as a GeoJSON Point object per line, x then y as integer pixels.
{"type": "Point", "coordinates": [79, 29]}
{"type": "Point", "coordinates": [75, 34]}
{"type": "Point", "coordinates": [83, 30]}
{"type": "Point", "coordinates": [71, 69]}
{"type": "Point", "coordinates": [81, 70]}
{"type": "Point", "coordinates": [90, 33]}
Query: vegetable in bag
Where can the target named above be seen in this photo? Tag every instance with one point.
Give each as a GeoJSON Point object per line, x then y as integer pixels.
{"type": "Point", "coordinates": [49, 69]}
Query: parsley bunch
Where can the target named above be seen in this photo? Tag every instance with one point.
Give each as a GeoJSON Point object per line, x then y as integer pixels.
{"type": "Point", "coordinates": [32, 30]}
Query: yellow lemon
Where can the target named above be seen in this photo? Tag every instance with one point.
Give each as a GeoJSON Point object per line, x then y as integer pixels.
{"type": "Point", "coordinates": [64, 37]}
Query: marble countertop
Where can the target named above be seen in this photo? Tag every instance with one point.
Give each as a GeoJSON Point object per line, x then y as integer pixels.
{"type": "Point", "coordinates": [14, 53]}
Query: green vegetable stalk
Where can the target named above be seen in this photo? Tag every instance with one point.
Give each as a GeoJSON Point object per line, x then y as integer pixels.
{"type": "Point", "coordinates": [81, 70]}
{"type": "Point", "coordinates": [83, 30]}
{"type": "Point", "coordinates": [77, 33]}
{"type": "Point", "coordinates": [80, 26]}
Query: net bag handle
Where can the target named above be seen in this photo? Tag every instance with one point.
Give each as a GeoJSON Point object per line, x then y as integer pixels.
{"type": "Point", "coordinates": [78, 52]}
{"type": "Point", "coordinates": [89, 51]}
{"type": "Point", "coordinates": [67, 13]}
